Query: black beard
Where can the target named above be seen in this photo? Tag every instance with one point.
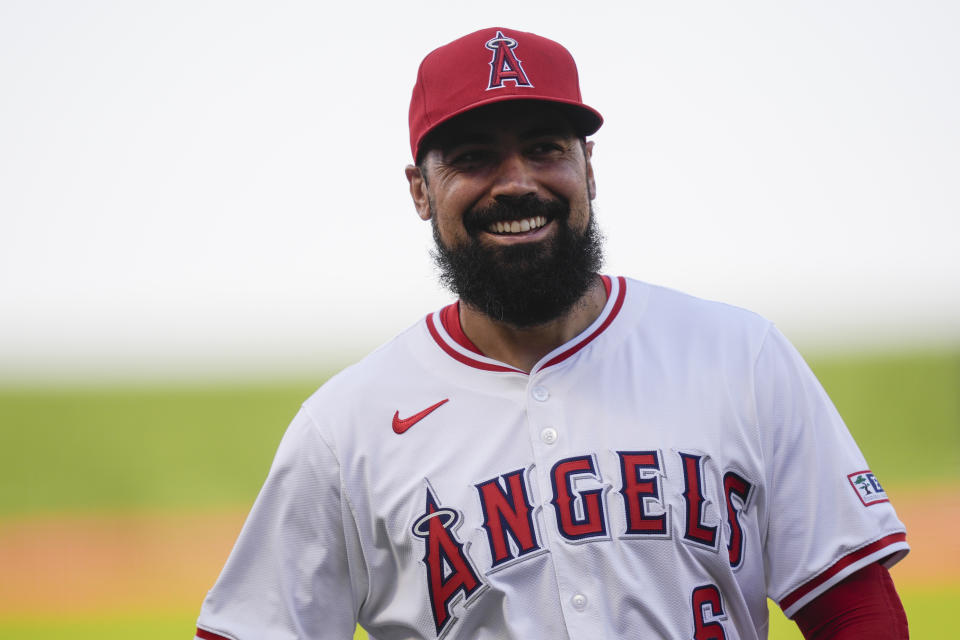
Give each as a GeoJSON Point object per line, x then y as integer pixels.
{"type": "Point", "coordinates": [527, 284]}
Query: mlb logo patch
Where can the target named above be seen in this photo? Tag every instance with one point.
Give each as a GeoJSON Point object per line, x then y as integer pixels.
{"type": "Point", "coordinates": [867, 487]}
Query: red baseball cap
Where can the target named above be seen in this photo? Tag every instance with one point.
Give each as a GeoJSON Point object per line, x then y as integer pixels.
{"type": "Point", "coordinates": [493, 65]}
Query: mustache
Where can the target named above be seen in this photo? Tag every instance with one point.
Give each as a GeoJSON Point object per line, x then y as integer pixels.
{"type": "Point", "coordinates": [506, 208]}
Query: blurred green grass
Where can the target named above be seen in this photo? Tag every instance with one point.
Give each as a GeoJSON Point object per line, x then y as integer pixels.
{"type": "Point", "coordinates": [903, 409]}
{"type": "Point", "coordinates": [129, 448]}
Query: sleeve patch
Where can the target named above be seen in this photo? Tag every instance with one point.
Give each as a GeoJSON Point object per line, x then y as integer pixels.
{"type": "Point", "coordinates": [867, 487]}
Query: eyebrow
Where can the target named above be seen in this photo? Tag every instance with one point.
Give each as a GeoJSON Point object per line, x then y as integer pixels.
{"type": "Point", "coordinates": [545, 132]}
{"type": "Point", "coordinates": [465, 138]}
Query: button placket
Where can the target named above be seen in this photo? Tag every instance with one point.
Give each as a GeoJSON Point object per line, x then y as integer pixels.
{"type": "Point", "coordinates": [548, 434]}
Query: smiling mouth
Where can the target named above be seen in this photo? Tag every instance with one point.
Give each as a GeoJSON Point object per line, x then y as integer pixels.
{"type": "Point", "coordinates": [508, 227]}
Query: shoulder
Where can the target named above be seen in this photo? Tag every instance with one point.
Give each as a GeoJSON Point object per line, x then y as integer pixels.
{"type": "Point", "coordinates": [357, 404]}
{"type": "Point", "coordinates": [674, 316]}
{"type": "Point", "coordinates": [386, 364]}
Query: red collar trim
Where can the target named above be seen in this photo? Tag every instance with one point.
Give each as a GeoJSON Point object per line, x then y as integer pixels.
{"type": "Point", "coordinates": [444, 326]}
{"type": "Point", "coordinates": [614, 310]}
{"type": "Point", "coordinates": [458, 352]}
{"type": "Point", "coordinates": [450, 318]}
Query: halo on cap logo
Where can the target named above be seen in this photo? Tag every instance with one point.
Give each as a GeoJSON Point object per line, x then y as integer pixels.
{"type": "Point", "coordinates": [505, 66]}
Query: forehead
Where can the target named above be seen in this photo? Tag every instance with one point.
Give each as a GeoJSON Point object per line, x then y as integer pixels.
{"type": "Point", "coordinates": [520, 118]}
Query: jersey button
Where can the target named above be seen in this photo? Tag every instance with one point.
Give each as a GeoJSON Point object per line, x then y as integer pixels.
{"type": "Point", "coordinates": [540, 394]}
{"type": "Point", "coordinates": [549, 435]}
{"type": "Point", "coordinates": [579, 602]}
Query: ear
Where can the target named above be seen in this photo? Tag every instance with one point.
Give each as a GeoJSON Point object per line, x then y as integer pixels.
{"type": "Point", "coordinates": [591, 184]}
{"type": "Point", "coordinates": [418, 191]}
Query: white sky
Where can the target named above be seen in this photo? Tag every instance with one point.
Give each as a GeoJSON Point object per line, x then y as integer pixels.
{"type": "Point", "coordinates": [218, 185]}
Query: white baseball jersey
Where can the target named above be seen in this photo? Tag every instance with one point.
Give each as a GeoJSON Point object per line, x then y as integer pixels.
{"type": "Point", "coordinates": [659, 476]}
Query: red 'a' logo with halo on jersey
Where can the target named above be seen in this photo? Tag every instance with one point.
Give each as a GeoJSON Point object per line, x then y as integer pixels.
{"type": "Point", "coordinates": [505, 66]}
{"type": "Point", "coordinates": [450, 574]}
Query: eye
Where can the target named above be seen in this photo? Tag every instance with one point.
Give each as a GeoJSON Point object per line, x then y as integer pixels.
{"type": "Point", "coordinates": [470, 159]}
{"type": "Point", "coordinates": [545, 148]}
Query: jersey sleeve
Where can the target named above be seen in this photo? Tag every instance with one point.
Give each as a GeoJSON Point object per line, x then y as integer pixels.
{"type": "Point", "coordinates": [289, 575]}
{"type": "Point", "coordinates": [828, 515]}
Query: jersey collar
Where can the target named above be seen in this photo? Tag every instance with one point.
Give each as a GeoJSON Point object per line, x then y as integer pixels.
{"type": "Point", "coordinates": [444, 327]}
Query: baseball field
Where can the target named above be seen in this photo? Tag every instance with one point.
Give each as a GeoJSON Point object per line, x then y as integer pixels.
{"type": "Point", "coordinates": [118, 505]}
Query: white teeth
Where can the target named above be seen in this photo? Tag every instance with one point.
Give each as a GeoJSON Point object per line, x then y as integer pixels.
{"type": "Point", "coordinates": [518, 226]}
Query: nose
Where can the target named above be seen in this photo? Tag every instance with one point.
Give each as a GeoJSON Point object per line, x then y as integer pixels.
{"type": "Point", "coordinates": [514, 177]}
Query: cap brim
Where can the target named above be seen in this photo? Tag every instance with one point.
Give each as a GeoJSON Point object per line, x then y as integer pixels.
{"type": "Point", "coordinates": [585, 120]}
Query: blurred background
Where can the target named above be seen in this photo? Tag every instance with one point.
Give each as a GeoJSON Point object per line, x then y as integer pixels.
{"type": "Point", "coordinates": [204, 215]}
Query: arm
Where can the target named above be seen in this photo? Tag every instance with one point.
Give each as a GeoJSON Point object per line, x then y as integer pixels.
{"type": "Point", "coordinates": [863, 605]}
{"type": "Point", "coordinates": [289, 574]}
{"type": "Point", "coordinates": [828, 523]}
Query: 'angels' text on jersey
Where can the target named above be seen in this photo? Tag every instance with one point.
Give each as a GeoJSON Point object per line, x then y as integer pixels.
{"type": "Point", "coordinates": [580, 515]}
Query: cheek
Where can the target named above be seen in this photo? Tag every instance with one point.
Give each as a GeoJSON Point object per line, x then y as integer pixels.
{"type": "Point", "coordinates": [580, 206]}
{"type": "Point", "coordinates": [569, 179]}
{"type": "Point", "coordinates": [447, 226]}
{"type": "Point", "coordinates": [572, 185]}
{"type": "Point", "coordinates": [449, 204]}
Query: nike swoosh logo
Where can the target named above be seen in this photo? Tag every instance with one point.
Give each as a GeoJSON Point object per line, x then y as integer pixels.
{"type": "Point", "coordinates": [400, 425]}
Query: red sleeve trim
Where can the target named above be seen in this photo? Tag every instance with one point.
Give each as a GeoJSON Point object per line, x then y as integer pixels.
{"type": "Point", "coordinates": [209, 635]}
{"type": "Point", "coordinates": [799, 596]}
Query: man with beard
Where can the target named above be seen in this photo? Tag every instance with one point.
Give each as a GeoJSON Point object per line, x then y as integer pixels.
{"type": "Point", "coordinates": [526, 290]}
{"type": "Point", "coordinates": [559, 454]}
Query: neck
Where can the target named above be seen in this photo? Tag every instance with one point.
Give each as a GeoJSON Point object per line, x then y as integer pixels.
{"type": "Point", "coordinates": [524, 347]}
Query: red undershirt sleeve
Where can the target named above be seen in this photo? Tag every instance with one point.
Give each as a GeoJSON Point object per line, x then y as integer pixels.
{"type": "Point", "coordinates": [863, 605]}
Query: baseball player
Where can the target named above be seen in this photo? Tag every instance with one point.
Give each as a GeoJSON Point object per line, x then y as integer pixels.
{"type": "Point", "coordinates": [558, 454]}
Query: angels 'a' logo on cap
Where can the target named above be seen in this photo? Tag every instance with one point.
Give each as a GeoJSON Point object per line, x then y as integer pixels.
{"type": "Point", "coordinates": [505, 66]}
